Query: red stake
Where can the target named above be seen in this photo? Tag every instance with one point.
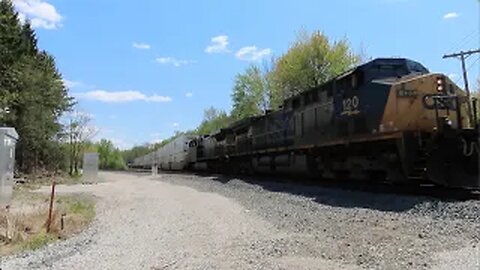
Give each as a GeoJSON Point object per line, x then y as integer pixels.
{"type": "Point", "coordinates": [50, 210]}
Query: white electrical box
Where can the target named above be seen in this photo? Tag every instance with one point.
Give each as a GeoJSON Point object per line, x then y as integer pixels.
{"type": "Point", "coordinates": [8, 140]}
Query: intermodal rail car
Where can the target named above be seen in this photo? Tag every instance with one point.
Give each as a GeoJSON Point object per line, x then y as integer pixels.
{"type": "Point", "coordinates": [389, 120]}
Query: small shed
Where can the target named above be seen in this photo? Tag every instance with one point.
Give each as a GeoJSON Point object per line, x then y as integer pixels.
{"type": "Point", "coordinates": [8, 141]}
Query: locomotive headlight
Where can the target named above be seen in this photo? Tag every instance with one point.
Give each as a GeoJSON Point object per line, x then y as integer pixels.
{"type": "Point", "coordinates": [447, 122]}
{"type": "Point", "coordinates": [440, 84]}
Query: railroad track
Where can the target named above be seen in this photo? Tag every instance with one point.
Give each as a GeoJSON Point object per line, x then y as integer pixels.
{"type": "Point", "coordinates": [426, 190]}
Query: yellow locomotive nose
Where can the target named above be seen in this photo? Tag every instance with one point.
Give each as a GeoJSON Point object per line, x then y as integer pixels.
{"type": "Point", "coordinates": [424, 103]}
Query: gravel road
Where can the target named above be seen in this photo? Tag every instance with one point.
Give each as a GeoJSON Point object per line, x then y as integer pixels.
{"type": "Point", "coordinates": [177, 221]}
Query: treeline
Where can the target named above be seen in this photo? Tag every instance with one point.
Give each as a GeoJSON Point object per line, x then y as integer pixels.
{"type": "Point", "coordinates": [34, 100]}
{"type": "Point", "coordinates": [311, 60]}
{"type": "Point", "coordinates": [110, 157]}
{"type": "Point", "coordinates": [32, 94]}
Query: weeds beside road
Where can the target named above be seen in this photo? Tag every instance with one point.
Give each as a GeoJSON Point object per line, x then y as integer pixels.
{"type": "Point", "coordinates": [23, 224]}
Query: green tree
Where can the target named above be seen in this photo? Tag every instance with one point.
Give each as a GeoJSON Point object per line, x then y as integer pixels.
{"type": "Point", "coordinates": [10, 51]}
{"type": "Point", "coordinates": [213, 121]}
{"type": "Point", "coordinates": [12, 42]}
{"type": "Point", "coordinates": [109, 156]}
{"type": "Point", "coordinates": [32, 95]}
{"type": "Point", "coordinates": [41, 101]}
{"type": "Point", "coordinates": [137, 151]}
{"type": "Point", "coordinates": [250, 95]}
{"type": "Point", "coordinates": [79, 133]}
{"type": "Point", "coordinates": [311, 61]}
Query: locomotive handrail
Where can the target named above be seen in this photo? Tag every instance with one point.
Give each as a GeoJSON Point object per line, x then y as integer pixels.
{"type": "Point", "coordinates": [436, 99]}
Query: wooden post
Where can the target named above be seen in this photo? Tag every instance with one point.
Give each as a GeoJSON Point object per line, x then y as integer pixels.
{"type": "Point", "coordinates": [7, 237]}
{"type": "Point", "coordinates": [62, 222]}
{"type": "Point", "coordinates": [50, 210]}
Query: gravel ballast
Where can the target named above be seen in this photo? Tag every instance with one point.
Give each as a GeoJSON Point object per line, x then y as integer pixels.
{"type": "Point", "coordinates": [181, 221]}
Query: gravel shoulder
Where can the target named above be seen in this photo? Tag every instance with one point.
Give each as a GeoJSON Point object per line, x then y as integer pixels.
{"type": "Point", "coordinates": [177, 221]}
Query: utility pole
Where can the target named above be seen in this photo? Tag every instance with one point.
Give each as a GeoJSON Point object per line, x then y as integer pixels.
{"type": "Point", "coordinates": [464, 55]}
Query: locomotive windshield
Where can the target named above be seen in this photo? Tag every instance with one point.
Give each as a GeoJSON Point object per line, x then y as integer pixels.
{"type": "Point", "coordinates": [415, 67]}
{"type": "Point", "coordinates": [388, 68]}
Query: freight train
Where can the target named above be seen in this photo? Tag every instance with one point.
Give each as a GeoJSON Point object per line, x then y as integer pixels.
{"type": "Point", "coordinates": [389, 120]}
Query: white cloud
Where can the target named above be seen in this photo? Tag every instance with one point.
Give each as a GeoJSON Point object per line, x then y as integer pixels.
{"type": "Point", "coordinates": [40, 13]}
{"type": "Point", "coordinates": [218, 44]}
{"type": "Point", "coordinates": [141, 46]}
{"type": "Point", "coordinates": [71, 84]}
{"type": "Point", "coordinates": [157, 98]}
{"type": "Point", "coordinates": [173, 61]}
{"type": "Point", "coordinates": [252, 53]}
{"type": "Point", "coordinates": [176, 124]}
{"type": "Point", "coordinates": [189, 94]}
{"type": "Point", "coordinates": [121, 96]}
{"type": "Point", "coordinates": [450, 15]}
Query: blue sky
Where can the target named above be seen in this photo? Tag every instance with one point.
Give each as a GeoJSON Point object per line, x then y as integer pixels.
{"type": "Point", "coordinates": [143, 69]}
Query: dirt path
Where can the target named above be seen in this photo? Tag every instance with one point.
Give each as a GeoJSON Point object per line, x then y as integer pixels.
{"type": "Point", "coordinates": [143, 224]}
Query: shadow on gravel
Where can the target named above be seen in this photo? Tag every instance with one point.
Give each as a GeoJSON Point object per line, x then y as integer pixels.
{"type": "Point", "coordinates": [346, 194]}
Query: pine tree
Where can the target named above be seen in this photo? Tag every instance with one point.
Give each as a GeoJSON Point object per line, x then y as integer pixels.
{"type": "Point", "coordinates": [10, 35]}
{"type": "Point", "coordinates": [10, 32]}
{"type": "Point", "coordinates": [32, 90]}
{"type": "Point", "coordinates": [29, 39]}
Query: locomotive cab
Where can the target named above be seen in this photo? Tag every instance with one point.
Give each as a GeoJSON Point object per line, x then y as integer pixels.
{"type": "Point", "coordinates": [431, 112]}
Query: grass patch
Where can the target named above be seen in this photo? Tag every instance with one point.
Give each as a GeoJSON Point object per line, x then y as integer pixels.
{"type": "Point", "coordinates": [37, 241]}
{"type": "Point", "coordinates": [23, 226]}
{"type": "Point", "coordinates": [79, 205]}
{"type": "Point", "coordinates": [86, 209]}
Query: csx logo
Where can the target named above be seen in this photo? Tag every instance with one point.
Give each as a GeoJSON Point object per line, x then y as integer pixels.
{"type": "Point", "coordinates": [438, 101]}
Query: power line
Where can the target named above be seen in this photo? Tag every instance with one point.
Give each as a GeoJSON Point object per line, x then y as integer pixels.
{"type": "Point", "coordinates": [462, 54]}
{"type": "Point", "coordinates": [468, 69]}
{"type": "Point", "coordinates": [463, 41]}
{"type": "Point", "coordinates": [473, 63]}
